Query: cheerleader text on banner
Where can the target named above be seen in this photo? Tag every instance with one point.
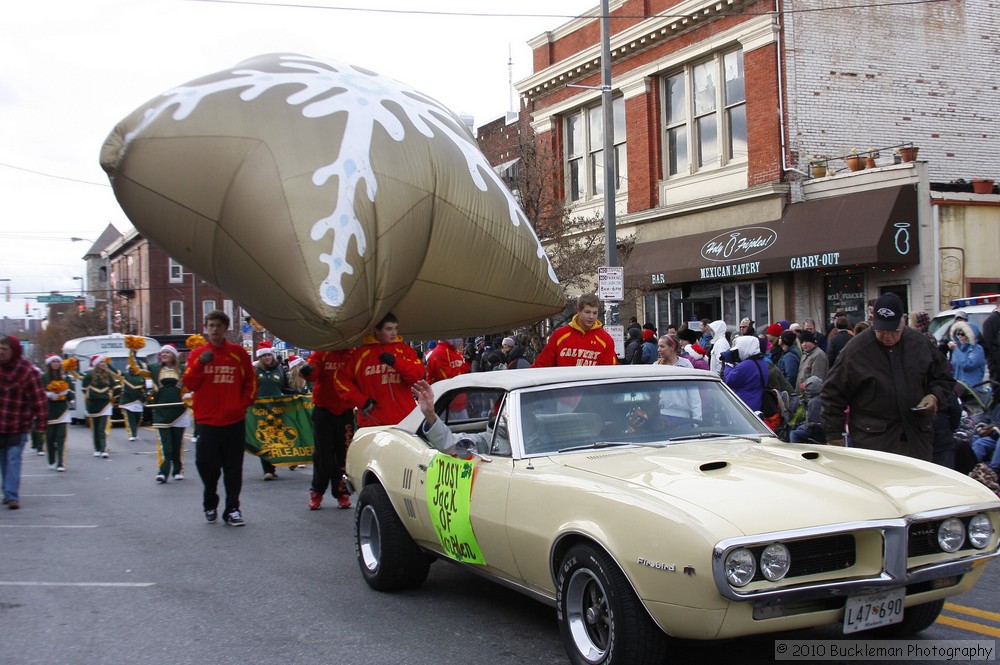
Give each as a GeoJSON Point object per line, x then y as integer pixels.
{"type": "Point", "coordinates": [279, 429]}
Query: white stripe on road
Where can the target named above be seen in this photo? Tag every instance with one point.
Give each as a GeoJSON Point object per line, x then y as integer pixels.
{"type": "Point", "coordinates": [80, 584]}
{"type": "Point", "coordinates": [48, 526]}
{"type": "Point", "coordinates": [38, 495]}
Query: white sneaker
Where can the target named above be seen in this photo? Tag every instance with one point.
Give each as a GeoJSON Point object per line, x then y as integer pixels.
{"type": "Point", "coordinates": [160, 478]}
{"type": "Point", "coordinates": [40, 452]}
{"type": "Point", "coordinates": [60, 468]}
{"type": "Point", "coordinates": [131, 438]}
{"type": "Point", "coordinates": [97, 453]}
{"type": "Point", "coordinates": [178, 476]}
{"type": "Point", "coordinates": [105, 454]}
{"type": "Point", "coordinates": [52, 466]}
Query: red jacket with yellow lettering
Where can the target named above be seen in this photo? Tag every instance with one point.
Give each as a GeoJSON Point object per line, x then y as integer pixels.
{"type": "Point", "coordinates": [570, 346]}
{"type": "Point", "coordinates": [325, 365]}
{"type": "Point", "coordinates": [364, 376]}
{"type": "Point", "coordinates": [224, 388]}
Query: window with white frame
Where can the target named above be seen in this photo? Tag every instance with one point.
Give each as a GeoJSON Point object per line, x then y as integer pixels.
{"type": "Point", "coordinates": [705, 124]}
{"type": "Point", "coordinates": [176, 271]}
{"type": "Point", "coordinates": [206, 307]}
{"type": "Point", "coordinates": [584, 144]}
{"type": "Point", "coordinates": [176, 316]}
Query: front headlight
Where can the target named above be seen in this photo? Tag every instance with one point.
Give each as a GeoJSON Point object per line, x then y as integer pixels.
{"type": "Point", "coordinates": [980, 531]}
{"type": "Point", "coordinates": [740, 567]}
{"type": "Point", "coordinates": [775, 561]}
{"type": "Point", "coordinates": [951, 534]}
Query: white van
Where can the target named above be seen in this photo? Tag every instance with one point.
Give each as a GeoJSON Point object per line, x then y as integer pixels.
{"type": "Point", "coordinates": [110, 346]}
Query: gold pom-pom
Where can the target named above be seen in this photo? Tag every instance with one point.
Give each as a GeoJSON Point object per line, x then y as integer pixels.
{"type": "Point", "coordinates": [70, 364]}
{"type": "Point", "coordinates": [196, 340]}
{"type": "Point", "coordinates": [134, 342]}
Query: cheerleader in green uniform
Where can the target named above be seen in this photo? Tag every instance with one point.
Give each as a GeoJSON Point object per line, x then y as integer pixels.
{"type": "Point", "coordinates": [100, 387]}
{"type": "Point", "coordinates": [170, 413]}
{"type": "Point", "coordinates": [133, 400]}
{"type": "Point", "coordinates": [58, 391]}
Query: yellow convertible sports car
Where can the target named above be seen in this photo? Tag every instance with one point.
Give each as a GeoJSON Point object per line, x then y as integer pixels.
{"type": "Point", "coordinates": [647, 502]}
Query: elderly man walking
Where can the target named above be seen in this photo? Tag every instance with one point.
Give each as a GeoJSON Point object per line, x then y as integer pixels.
{"type": "Point", "coordinates": [893, 379]}
{"type": "Point", "coordinates": [23, 408]}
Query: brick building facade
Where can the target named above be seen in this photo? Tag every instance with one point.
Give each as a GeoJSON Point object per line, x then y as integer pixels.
{"type": "Point", "coordinates": [717, 108]}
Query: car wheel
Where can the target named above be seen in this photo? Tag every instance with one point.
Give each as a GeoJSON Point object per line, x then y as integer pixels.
{"type": "Point", "coordinates": [388, 557]}
{"type": "Point", "coordinates": [915, 619]}
{"type": "Point", "coordinates": [601, 620]}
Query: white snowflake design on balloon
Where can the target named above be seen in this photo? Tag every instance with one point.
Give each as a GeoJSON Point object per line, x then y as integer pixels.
{"type": "Point", "coordinates": [327, 87]}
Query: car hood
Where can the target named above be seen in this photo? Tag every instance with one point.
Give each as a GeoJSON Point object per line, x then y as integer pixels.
{"type": "Point", "coordinates": [774, 487]}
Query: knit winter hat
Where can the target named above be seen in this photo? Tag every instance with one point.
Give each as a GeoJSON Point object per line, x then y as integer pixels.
{"type": "Point", "coordinates": [508, 341]}
{"type": "Point", "coordinates": [648, 335]}
{"type": "Point", "coordinates": [774, 329]}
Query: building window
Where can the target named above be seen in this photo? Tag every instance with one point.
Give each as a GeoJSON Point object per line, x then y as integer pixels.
{"type": "Point", "coordinates": [206, 307]}
{"type": "Point", "coordinates": [585, 151]}
{"type": "Point", "coordinates": [705, 125]}
{"type": "Point", "coordinates": [176, 316]}
{"type": "Point", "coordinates": [746, 300]}
{"type": "Point", "coordinates": [176, 271]}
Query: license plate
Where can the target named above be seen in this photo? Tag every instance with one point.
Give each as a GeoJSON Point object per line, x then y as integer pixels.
{"type": "Point", "coordinates": [873, 610]}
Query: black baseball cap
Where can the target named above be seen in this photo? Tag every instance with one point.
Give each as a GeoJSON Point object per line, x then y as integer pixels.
{"type": "Point", "coordinates": [888, 312]}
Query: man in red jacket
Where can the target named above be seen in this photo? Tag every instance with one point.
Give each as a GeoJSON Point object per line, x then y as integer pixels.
{"type": "Point", "coordinates": [333, 427]}
{"type": "Point", "coordinates": [583, 342]}
{"type": "Point", "coordinates": [378, 376]}
{"type": "Point", "coordinates": [224, 385]}
{"type": "Point", "coordinates": [447, 362]}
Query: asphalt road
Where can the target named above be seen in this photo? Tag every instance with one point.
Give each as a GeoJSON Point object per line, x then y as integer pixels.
{"type": "Point", "coordinates": [103, 565]}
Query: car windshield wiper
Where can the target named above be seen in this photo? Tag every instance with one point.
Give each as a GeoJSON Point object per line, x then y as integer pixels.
{"type": "Point", "coordinates": [596, 444]}
{"type": "Point", "coordinates": [715, 435]}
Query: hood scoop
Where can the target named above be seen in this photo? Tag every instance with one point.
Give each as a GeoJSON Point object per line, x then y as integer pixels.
{"type": "Point", "coordinates": [713, 466]}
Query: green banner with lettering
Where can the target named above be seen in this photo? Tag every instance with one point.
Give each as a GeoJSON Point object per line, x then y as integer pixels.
{"type": "Point", "coordinates": [279, 429]}
{"type": "Point", "coordinates": [449, 489]}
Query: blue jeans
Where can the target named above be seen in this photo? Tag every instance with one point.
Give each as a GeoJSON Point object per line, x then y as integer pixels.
{"type": "Point", "coordinates": [986, 450]}
{"type": "Point", "coordinates": [11, 447]}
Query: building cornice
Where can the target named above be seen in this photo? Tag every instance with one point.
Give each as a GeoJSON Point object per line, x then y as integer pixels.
{"type": "Point", "coordinates": [644, 35]}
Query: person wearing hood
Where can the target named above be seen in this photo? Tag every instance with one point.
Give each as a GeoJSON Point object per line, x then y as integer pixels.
{"type": "Point", "coordinates": [650, 347]}
{"type": "Point", "coordinates": [378, 377]}
{"type": "Point", "coordinates": [24, 408]}
{"type": "Point", "coordinates": [719, 345]}
{"type": "Point", "coordinates": [810, 430]}
{"type": "Point", "coordinates": [968, 359]}
{"type": "Point", "coordinates": [584, 341]}
{"type": "Point", "coordinates": [513, 354]}
{"type": "Point", "coordinates": [748, 377]}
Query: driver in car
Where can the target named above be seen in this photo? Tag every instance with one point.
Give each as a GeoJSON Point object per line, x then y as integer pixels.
{"type": "Point", "coordinates": [465, 443]}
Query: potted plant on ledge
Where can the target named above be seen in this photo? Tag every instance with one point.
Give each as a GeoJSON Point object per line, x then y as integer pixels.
{"type": "Point", "coordinates": [817, 167]}
{"type": "Point", "coordinates": [855, 162]}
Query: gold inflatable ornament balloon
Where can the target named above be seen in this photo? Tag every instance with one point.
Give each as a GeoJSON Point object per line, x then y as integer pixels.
{"type": "Point", "coordinates": [322, 196]}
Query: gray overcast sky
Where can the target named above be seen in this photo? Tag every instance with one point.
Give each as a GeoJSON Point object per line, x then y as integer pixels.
{"type": "Point", "coordinates": [73, 68]}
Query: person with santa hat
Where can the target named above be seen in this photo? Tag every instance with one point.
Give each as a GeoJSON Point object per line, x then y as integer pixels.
{"type": "Point", "coordinates": [133, 400]}
{"type": "Point", "coordinates": [59, 393]}
{"type": "Point", "coordinates": [170, 413]}
{"type": "Point", "coordinates": [100, 389]}
{"type": "Point", "coordinates": [271, 382]}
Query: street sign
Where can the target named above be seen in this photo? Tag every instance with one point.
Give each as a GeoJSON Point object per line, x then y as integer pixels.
{"type": "Point", "coordinates": [611, 283]}
{"type": "Point", "coordinates": [90, 301]}
{"type": "Point", "coordinates": [52, 299]}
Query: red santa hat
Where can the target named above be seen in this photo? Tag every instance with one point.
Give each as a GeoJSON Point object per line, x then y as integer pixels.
{"type": "Point", "coordinates": [294, 361]}
{"type": "Point", "coordinates": [648, 335]}
{"type": "Point", "coordinates": [170, 348]}
{"type": "Point", "coordinates": [696, 351]}
{"type": "Point", "coordinates": [52, 358]}
{"type": "Point", "coordinates": [264, 348]}
{"type": "Point", "coordinates": [97, 360]}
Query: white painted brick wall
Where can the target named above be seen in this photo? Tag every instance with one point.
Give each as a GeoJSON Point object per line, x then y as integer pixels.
{"type": "Point", "coordinates": [874, 77]}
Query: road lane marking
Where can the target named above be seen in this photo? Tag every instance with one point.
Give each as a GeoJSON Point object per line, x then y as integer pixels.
{"type": "Point", "coordinates": [80, 584]}
{"type": "Point", "coordinates": [969, 625]}
{"type": "Point", "coordinates": [38, 495]}
{"type": "Point", "coordinates": [973, 611]}
{"type": "Point", "coordinates": [49, 526]}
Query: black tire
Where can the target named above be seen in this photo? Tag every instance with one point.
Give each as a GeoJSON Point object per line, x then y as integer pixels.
{"type": "Point", "coordinates": [915, 619]}
{"type": "Point", "coordinates": [601, 620]}
{"type": "Point", "coordinates": [388, 557]}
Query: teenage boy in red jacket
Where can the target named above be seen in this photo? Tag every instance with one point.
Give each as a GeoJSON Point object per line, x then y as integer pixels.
{"type": "Point", "coordinates": [224, 385]}
{"type": "Point", "coordinates": [333, 427]}
{"type": "Point", "coordinates": [583, 342]}
{"type": "Point", "coordinates": [378, 377]}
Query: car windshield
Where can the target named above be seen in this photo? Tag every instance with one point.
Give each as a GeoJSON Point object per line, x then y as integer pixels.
{"type": "Point", "coordinates": [649, 412]}
{"type": "Point", "coordinates": [940, 325]}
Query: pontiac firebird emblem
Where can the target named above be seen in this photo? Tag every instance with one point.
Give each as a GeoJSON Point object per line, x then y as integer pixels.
{"type": "Point", "coordinates": [655, 564]}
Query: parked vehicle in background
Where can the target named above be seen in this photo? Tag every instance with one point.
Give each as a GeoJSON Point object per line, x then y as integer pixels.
{"type": "Point", "coordinates": [110, 346]}
{"type": "Point", "coordinates": [976, 307]}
